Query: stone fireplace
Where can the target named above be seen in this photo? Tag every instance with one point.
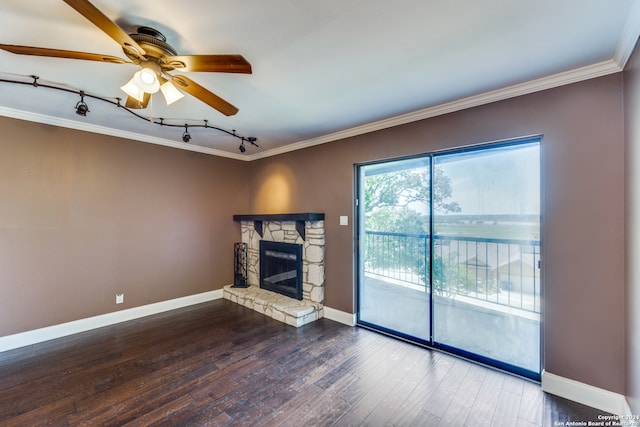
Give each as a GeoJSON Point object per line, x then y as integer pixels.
{"type": "Point", "coordinates": [304, 230]}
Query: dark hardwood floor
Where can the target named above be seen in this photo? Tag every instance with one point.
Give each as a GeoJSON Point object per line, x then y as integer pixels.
{"type": "Point", "coordinates": [221, 364]}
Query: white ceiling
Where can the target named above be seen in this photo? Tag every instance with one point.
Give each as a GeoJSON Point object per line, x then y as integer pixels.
{"type": "Point", "coordinates": [322, 69]}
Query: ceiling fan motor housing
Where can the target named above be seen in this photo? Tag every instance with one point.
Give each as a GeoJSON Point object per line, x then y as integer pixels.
{"type": "Point", "coordinates": [154, 43]}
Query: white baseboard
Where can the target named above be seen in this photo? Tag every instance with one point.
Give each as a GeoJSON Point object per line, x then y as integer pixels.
{"type": "Point", "coordinates": [627, 410]}
{"type": "Point", "coordinates": [585, 394]}
{"type": "Point", "coordinates": [35, 336]}
{"type": "Point", "coordinates": [340, 316]}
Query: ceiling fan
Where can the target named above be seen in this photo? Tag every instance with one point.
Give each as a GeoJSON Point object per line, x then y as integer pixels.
{"type": "Point", "coordinates": [148, 48]}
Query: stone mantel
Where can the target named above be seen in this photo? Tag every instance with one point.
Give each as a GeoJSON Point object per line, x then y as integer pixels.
{"type": "Point", "coordinates": [298, 218]}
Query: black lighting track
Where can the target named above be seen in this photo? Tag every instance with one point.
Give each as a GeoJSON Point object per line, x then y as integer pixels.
{"type": "Point", "coordinates": [158, 121]}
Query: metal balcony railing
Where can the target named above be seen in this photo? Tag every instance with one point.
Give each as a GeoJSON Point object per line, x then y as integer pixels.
{"type": "Point", "coordinates": [497, 271]}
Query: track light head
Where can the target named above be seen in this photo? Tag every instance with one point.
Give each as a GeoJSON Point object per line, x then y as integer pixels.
{"type": "Point", "coordinates": [242, 148]}
{"type": "Point", "coordinates": [81, 107]}
{"type": "Point", "coordinates": [186, 136]}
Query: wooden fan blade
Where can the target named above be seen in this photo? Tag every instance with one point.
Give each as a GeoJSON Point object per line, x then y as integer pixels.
{"type": "Point", "coordinates": [58, 53]}
{"type": "Point", "coordinates": [194, 89]}
{"type": "Point", "coordinates": [210, 63]}
{"type": "Point", "coordinates": [100, 20]}
{"type": "Point", "coordinates": [134, 104]}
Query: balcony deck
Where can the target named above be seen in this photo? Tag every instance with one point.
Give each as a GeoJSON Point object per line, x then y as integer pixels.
{"type": "Point", "coordinates": [464, 322]}
{"type": "Point", "coordinates": [496, 314]}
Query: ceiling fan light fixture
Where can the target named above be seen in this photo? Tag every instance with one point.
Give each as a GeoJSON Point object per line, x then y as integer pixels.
{"type": "Point", "coordinates": [170, 92]}
{"type": "Point", "coordinates": [147, 80]}
{"type": "Point", "coordinates": [133, 90]}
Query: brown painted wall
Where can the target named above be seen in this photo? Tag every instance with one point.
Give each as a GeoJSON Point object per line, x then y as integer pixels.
{"type": "Point", "coordinates": [583, 209]}
{"type": "Point", "coordinates": [85, 216]}
{"type": "Point", "coordinates": [632, 122]}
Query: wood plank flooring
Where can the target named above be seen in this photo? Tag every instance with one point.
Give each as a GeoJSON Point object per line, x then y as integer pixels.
{"type": "Point", "coordinates": [219, 363]}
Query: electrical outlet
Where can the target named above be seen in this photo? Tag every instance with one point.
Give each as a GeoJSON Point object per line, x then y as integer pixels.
{"type": "Point", "coordinates": [344, 220]}
{"type": "Point", "coordinates": [119, 298]}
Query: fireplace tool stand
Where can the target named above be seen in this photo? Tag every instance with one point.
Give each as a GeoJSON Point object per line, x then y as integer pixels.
{"type": "Point", "coordinates": [240, 262]}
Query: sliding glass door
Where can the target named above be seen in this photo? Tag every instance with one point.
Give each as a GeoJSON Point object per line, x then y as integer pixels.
{"type": "Point", "coordinates": [449, 252]}
{"type": "Point", "coordinates": [394, 221]}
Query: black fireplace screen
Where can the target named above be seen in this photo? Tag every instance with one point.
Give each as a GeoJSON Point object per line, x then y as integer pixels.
{"type": "Point", "coordinates": [281, 268]}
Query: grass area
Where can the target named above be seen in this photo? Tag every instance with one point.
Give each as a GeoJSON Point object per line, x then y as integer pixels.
{"type": "Point", "coordinates": [518, 231]}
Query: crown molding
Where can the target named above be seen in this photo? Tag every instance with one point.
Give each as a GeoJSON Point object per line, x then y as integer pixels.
{"type": "Point", "coordinates": [103, 130]}
{"type": "Point", "coordinates": [573, 76]}
{"type": "Point", "coordinates": [629, 37]}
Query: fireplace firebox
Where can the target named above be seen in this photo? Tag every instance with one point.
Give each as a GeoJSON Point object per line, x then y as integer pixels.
{"type": "Point", "coordinates": [281, 268]}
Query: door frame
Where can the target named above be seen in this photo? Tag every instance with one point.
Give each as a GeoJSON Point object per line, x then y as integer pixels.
{"type": "Point", "coordinates": [359, 270]}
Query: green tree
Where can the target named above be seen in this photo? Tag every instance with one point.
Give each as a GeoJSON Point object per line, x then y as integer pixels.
{"type": "Point", "coordinates": [398, 201]}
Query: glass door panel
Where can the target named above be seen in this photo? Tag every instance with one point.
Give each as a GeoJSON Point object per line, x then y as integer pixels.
{"type": "Point", "coordinates": [486, 253]}
{"type": "Point", "coordinates": [394, 247]}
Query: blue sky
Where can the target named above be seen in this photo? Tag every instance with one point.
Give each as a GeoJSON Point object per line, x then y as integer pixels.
{"type": "Point", "coordinates": [503, 180]}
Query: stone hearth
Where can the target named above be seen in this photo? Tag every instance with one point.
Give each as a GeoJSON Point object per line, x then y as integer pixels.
{"type": "Point", "coordinates": [304, 229]}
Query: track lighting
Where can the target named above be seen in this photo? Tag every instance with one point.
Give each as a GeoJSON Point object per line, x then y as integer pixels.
{"type": "Point", "coordinates": [81, 107]}
{"type": "Point", "coordinates": [186, 136]}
